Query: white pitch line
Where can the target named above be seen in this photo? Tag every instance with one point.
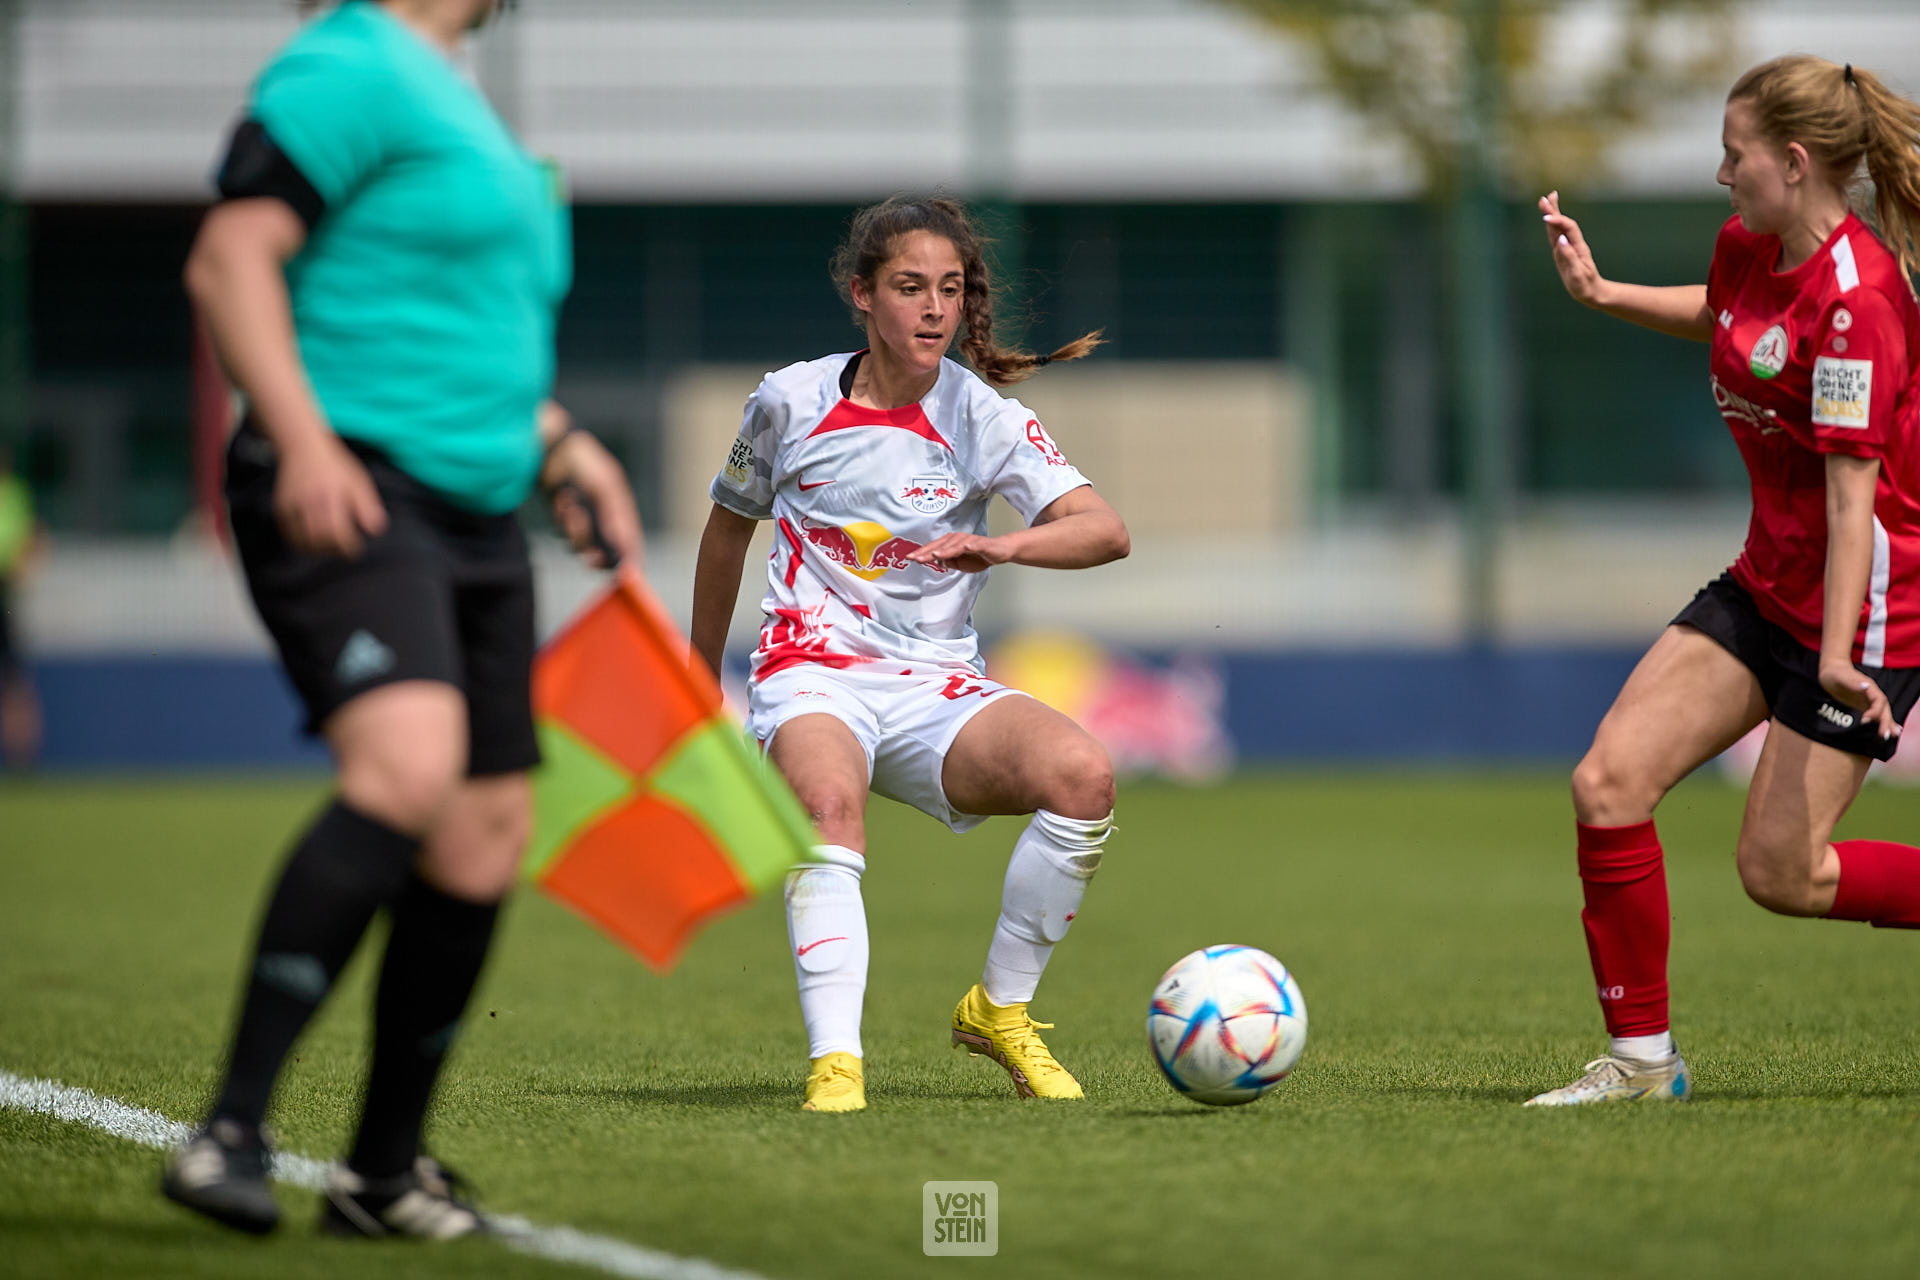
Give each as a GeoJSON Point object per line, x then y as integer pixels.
{"type": "Point", "coordinates": [559, 1244]}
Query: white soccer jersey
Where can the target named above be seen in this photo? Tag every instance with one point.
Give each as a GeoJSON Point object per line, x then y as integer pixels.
{"type": "Point", "coordinates": [852, 490]}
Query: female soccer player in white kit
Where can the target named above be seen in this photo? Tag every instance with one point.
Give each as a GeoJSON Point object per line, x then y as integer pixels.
{"type": "Point", "coordinates": [876, 468]}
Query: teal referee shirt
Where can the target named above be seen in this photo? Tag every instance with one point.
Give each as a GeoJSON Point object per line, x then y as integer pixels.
{"type": "Point", "coordinates": [426, 295]}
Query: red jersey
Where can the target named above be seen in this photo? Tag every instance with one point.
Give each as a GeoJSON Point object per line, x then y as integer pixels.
{"type": "Point", "coordinates": [1822, 359]}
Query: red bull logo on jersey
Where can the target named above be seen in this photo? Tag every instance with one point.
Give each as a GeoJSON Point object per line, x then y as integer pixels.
{"type": "Point", "coordinates": [867, 550]}
{"type": "Point", "coordinates": [930, 495]}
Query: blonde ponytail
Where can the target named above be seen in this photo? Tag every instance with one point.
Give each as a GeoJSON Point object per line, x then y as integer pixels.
{"type": "Point", "coordinates": [1893, 163]}
{"type": "Point", "coordinates": [1846, 117]}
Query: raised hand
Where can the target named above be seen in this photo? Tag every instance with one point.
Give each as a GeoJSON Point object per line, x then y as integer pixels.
{"type": "Point", "coordinates": [1571, 256]}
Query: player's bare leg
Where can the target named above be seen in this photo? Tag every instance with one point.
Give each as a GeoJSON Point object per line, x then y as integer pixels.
{"type": "Point", "coordinates": [826, 920]}
{"type": "Point", "coordinates": [824, 764]}
{"type": "Point", "coordinates": [1021, 756]}
{"type": "Point", "coordinates": [1687, 700]}
{"type": "Point", "coordinates": [1799, 791]}
{"type": "Point", "coordinates": [1787, 858]}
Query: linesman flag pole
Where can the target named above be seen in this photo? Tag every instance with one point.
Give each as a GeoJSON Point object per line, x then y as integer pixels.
{"type": "Point", "coordinates": [653, 813]}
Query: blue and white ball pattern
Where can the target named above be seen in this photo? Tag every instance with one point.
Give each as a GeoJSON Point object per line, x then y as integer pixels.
{"type": "Point", "coordinates": [1227, 1023]}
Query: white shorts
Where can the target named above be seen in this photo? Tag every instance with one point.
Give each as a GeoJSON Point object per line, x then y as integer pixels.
{"type": "Point", "coordinates": [904, 723]}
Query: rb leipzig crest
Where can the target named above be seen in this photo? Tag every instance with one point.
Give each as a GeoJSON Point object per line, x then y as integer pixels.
{"type": "Point", "coordinates": [930, 495]}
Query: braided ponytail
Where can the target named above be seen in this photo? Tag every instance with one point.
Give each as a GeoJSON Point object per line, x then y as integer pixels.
{"type": "Point", "coordinates": [870, 242]}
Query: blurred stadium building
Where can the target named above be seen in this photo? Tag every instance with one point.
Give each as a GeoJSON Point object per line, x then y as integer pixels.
{"type": "Point", "coordinates": [1371, 540]}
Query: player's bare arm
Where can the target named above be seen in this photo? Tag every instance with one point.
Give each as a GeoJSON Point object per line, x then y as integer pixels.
{"type": "Point", "coordinates": [324, 498]}
{"type": "Point", "coordinates": [716, 582]}
{"type": "Point", "coordinates": [1679, 310]}
{"type": "Point", "coordinates": [1851, 483]}
{"type": "Point", "coordinates": [575, 461]}
{"type": "Point", "coordinates": [1077, 530]}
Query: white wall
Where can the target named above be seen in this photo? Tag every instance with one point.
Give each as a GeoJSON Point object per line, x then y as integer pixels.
{"type": "Point", "coordinates": [841, 99]}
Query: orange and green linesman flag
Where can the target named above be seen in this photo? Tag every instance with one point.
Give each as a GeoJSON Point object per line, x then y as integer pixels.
{"type": "Point", "coordinates": [652, 813]}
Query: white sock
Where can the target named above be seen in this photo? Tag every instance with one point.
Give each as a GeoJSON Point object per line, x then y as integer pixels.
{"type": "Point", "coordinates": [1046, 878]}
{"type": "Point", "coordinates": [1654, 1048]}
{"type": "Point", "coordinates": [827, 927]}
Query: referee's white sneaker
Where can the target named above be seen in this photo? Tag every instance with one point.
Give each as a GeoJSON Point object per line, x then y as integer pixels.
{"type": "Point", "coordinates": [1611, 1079]}
{"type": "Point", "coordinates": [425, 1202]}
{"type": "Point", "coordinates": [221, 1172]}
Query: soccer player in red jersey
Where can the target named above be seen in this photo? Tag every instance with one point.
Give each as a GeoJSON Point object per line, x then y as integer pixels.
{"type": "Point", "coordinates": [1815, 365]}
{"type": "Point", "coordinates": [876, 468]}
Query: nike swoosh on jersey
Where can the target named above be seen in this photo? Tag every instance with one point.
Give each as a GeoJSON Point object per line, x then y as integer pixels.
{"type": "Point", "coordinates": [804, 486]}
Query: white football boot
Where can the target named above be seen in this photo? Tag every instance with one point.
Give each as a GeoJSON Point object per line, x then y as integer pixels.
{"type": "Point", "coordinates": [1611, 1079]}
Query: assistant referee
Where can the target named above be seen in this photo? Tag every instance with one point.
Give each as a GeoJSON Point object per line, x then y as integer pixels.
{"type": "Point", "coordinates": [381, 280]}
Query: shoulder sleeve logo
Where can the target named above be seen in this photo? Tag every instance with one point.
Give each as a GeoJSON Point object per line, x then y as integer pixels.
{"type": "Point", "coordinates": [739, 468]}
{"type": "Point", "coordinates": [1842, 392]}
{"type": "Point", "coordinates": [1037, 437]}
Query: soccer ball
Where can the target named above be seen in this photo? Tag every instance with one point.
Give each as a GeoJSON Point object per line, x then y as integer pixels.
{"type": "Point", "coordinates": [1227, 1024]}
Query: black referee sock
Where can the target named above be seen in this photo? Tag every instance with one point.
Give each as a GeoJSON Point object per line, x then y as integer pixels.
{"type": "Point", "coordinates": [434, 957]}
{"type": "Point", "coordinates": [346, 867]}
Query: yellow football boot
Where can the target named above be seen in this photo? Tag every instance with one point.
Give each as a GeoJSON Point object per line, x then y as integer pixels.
{"type": "Point", "coordinates": [835, 1083]}
{"type": "Point", "coordinates": [1007, 1035]}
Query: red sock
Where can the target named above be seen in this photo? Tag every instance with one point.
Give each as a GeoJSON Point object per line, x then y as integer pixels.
{"type": "Point", "coordinates": [1623, 874]}
{"type": "Point", "coordinates": [1880, 882]}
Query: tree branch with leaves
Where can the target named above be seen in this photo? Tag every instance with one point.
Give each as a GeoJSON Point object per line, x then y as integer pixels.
{"type": "Point", "coordinates": [1406, 67]}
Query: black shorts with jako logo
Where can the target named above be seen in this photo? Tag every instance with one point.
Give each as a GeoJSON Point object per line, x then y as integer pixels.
{"type": "Point", "coordinates": [1789, 672]}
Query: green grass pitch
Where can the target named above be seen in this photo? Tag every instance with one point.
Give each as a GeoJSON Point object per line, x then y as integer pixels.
{"type": "Point", "coordinates": [1432, 920]}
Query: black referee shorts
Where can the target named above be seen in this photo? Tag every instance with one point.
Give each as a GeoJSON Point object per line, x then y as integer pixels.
{"type": "Point", "coordinates": [1789, 672]}
{"type": "Point", "coordinates": [445, 594]}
